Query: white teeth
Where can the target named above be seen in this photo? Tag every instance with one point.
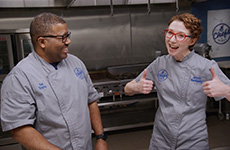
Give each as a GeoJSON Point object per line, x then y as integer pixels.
{"type": "Point", "coordinates": [174, 47]}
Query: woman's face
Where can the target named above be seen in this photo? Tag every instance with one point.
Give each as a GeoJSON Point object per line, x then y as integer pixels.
{"type": "Point", "coordinates": [178, 49]}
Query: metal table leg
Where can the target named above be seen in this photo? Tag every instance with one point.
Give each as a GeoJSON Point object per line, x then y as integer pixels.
{"type": "Point", "coordinates": [220, 113]}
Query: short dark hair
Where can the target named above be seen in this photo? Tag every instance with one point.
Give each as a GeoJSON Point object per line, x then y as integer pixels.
{"type": "Point", "coordinates": [42, 25]}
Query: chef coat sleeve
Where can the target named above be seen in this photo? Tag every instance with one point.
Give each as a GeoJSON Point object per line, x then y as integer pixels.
{"type": "Point", "coordinates": [17, 104]}
{"type": "Point", "coordinates": [92, 92]}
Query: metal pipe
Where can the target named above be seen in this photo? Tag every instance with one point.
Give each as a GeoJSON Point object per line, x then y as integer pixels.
{"type": "Point", "coordinates": [71, 3]}
{"type": "Point", "coordinates": [111, 7]}
{"type": "Point", "coordinates": [177, 6]}
{"type": "Point", "coordinates": [149, 7]}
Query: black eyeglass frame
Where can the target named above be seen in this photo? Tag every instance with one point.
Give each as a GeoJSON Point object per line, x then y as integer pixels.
{"type": "Point", "coordinates": [174, 34]}
{"type": "Point", "coordinates": [63, 37]}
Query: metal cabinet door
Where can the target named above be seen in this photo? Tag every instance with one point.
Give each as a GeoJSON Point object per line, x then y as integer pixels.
{"type": "Point", "coordinates": [6, 55]}
{"type": "Point", "coordinates": [24, 45]}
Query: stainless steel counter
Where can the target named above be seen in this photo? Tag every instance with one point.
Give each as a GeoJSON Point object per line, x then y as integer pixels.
{"type": "Point", "coordinates": [7, 142]}
{"type": "Point", "coordinates": [224, 64]}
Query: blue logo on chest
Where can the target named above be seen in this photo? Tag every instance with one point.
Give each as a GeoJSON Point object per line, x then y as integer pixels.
{"type": "Point", "coordinates": [78, 72]}
{"type": "Point", "coordinates": [196, 79]}
{"type": "Point", "coordinates": [41, 86]}
{"type": "Point", "coordinates": [162, 75]}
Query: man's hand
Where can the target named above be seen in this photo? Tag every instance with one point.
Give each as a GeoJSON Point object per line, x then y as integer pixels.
{"type": "Point", "coordinates": [101, 145]}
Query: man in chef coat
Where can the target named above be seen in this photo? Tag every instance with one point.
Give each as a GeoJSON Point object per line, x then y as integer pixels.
{"type": "Point", "coordinates": [48, 100]}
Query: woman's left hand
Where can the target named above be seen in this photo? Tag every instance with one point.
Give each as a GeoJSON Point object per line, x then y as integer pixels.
{"type": "Point", "coordinates": [215, 87]}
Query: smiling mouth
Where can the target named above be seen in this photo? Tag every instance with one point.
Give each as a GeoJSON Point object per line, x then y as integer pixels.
{"type": "Point", "coordinates": [65, 50]}
{"type": "Point", "coordinates": [173, 47]}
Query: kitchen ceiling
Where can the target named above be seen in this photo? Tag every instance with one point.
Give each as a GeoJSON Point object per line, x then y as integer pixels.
{"type": "Point", "coordinates": [75, 3]}
{"type": "Point", "coordinates": [65, 3]}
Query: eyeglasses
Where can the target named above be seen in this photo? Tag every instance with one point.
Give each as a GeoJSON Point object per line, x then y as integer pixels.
{"type": "Point", "coordinates": [179, 36]}
{"type": "Point", "coordinates": [63, 37]}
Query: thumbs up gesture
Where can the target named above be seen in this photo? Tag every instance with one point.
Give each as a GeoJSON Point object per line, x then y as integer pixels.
{"type": "Point", "coordinates": [215, 87]}
{"type": "Point", "coordinates": [144, 86]}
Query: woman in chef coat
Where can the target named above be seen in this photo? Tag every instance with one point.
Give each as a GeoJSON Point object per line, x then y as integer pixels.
{"type": "Point", "coordinates": [180, 121]}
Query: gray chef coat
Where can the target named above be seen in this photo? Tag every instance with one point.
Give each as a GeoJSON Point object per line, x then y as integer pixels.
{"type": "Point", "coordinates": [180, 121]}
{"type": "Point", "coordinates": [54, 101]}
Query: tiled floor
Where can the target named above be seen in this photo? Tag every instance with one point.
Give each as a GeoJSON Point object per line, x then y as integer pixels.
{"type": "Point", "coordinates": [138, 139]}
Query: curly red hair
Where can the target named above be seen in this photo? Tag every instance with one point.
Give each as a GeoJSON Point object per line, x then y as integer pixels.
{"type": "Point", "coordinates": [192, 23]}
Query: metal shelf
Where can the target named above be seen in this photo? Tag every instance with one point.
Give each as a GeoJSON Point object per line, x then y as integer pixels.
{"type": "Point", "coordinates": [100, 104]}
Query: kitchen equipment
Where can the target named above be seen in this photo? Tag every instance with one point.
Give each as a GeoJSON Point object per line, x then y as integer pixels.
{"type": "Point", "coordinates": [203, 49]}
{"type": "Point", "coordinates": [6, 55]}
{"type": "Point", "coordinates": [119, 111]}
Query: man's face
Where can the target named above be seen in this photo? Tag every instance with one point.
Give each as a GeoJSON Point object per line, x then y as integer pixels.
{"type": "Point", "coordinates": [56, 48]}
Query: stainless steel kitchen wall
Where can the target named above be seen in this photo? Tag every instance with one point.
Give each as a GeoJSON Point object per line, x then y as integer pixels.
{"type": "Point", "coordinates": [148, 35]}
{"type": "Point", "coordinates": [100, 39]}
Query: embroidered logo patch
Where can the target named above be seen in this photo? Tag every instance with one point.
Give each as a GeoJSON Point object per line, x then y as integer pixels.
{"type": "Point", "coordinates": [196, 79]}
{"type": "Point", "coordinates": [162, 75]}
{"type": "Point", "coordinates": [79, 73]}
{"type": "Point", "coordinates": [221, 33]}
{"type": "Point", "coordinates": [41, 86]}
